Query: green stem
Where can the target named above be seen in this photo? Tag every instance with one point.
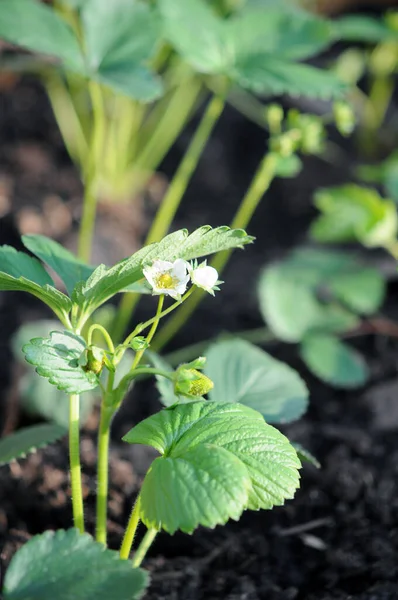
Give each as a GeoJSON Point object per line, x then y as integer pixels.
{"type": "Point", "coordinates": [259, 185]}
{"type": "Point", "coordinates": [151, 333]}
{"type": "Point", "coordinates": [144, 546]}
{"type": "Point", "coordinates": [107, 413]}
{"type": "Point", "coordinates": [130, 531]}
{"type": "Point", "coordinates": [74, 459]}
{"type": "Point", "coordinates": [90, 173]}
{"type": "Point", "coordinates": [107, 337]}
{"type": "Point", "coordinates": [172, 199]}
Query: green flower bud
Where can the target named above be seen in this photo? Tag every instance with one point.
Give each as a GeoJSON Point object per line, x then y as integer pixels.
{"type": "Point", "coordinates": [139, 343]}
{"type": "Point", "coordinates": [274, 115]}
{"type": "Point", "coordinates": [191, 383]}
{"type": "Point", "coordinates": [344, 117]}
{"type": "Point", "coordinates": [92, 359]}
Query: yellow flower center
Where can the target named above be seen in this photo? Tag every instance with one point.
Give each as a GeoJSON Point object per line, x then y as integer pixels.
{"type": "Point", "coordinates": [165, 281]}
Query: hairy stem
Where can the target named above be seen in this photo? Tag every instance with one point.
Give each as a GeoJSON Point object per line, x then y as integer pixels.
{"type": "Point", "coordinates": [74, 459]}
{"type": "Point", "coordinates": [107, 413]}
{"type": "Point", "coordinates": [131, 529]}
{"type": "Point", "coordinates": [172, 200]}
{"type": "Point", "coordinates": [259, 185]}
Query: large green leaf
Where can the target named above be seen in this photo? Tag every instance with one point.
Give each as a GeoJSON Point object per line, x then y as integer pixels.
{"type": "Point", "coordinates": [37, 396]}
{"type": "Point", "coordinates": [354, 213]}
{"type": "Point", "coordinates": [256, 48]}
{"type": "Point", "coordinates": [68, 565]}
{"type": "Point", "coordinates": [288, 295]}
{"type": "Point", "coordinates": [106, 282]}
{"type": "Point", "coordinates": [35, 26]}
{"type": "Point", "coordinates": [243, 373]}
{"type": "Point", "coordinates": [333, 361]}
{"type": "Point", "coordinates": [25, 441]}
{"type": "Point", "coordinates": [57, 359]}
{"type": "Point", "coordinates": [217, 460]}
{"type": "Point", "coordinates": [120, 38]}
{"type": "Point", "coordinates": [22, 273]}
{"type": "Point", "coordinates": [69, 268]}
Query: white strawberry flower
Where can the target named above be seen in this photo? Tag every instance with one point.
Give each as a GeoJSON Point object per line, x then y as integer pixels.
{"type": "Point", "coordinates": [169, 278]}
{"type": "Point", "coordinates": [205, 277]}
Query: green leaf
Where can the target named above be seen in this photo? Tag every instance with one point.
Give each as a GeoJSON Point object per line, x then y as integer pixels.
{"type": "Point", "coordinates": [196, 33]}
{"type": "Point", "coordinates": [37, 396]}
{"type": "Point", "coordinates": [22, 273]}
{"type": "Point", "coordinates": [362, 290]}
{"type": "Point", "coordinates": [274, 75]}
{"type": "Point", "coordinates": [217, 460]}
{"type": "Point", "coordinates": [306, 456]}
{"type": "Point", "coordinates": [333, 361]}
{"type": "Point", "coordinates": [120, 38]}
{"type": "Point", "coordinates": [25, 441]}
{"type": "Point", "coordinates": [288, 295]}
{"type": "Point", "coordinates": [359, 28]}
{"type": "Point", "coordinates": [57, 359]}
{"type": "Point", "coordinates": [243, 373]}
{"type": "Point", "coordinates": [18, 264]}
{"type": "Point", "coordinates": [354, 213]}
{"type": "Point", "coordinates": [66, 565]}
{"type": "Point", "coordinates": [35, 26]}
{"type": "Point", "coordinates": [69, 268]}
{"type": "Point", "coordinates": [106, 282]}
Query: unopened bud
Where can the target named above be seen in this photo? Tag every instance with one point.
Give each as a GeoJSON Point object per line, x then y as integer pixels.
{"type": "Point", "coordinates": [275, 117]}
{"type": "Point", "coordinates": [192, 383]}
{"type": "Point", "coordinates": [139, 343]}
{"type": "Point", "coordinates": [344, 117]}
{"type": "Point", "coordinates": [92, 359]}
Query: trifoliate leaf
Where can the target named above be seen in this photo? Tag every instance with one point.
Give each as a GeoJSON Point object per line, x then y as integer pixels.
{"type": "Point", "coordinates": [68, 564]}
{"type": "Point", "coordinates": [106, 282]}
{"type": "Point", "coordinates": [25, 441]}
{"type": "Point", "coordinates": [22, 273]}
{"type": "Point", "coordinates": [289, 295]}
{"type": "Point", "coordinates": [254, 48]}
{"type": "Point", "coordinates": [217, 460]}
{"type": "Point", "coordinates": [37, 27]}
{"type": "Point", "coordinates": [243, 373]}
{"type": "Point", "coordinates": [333, 361]}
{"type": "Point", "coordinates": [69, 268]}
{"type": "Point", "coordinates": [120, 38]}
{"type": "Point", "coordinates": [37, 396]}
{"type": "Point", "coordinates": [57, 359]}
{"type": "Point", "coordinates": [354, 213]}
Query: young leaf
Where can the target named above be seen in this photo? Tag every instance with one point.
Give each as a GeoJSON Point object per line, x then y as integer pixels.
{"type": "Point", "coordinates": [333, 361]}
{"type": "Point", "coordinates": [25, 441]}
{"type": "Point", "coordinates": [66, 565]}
{"type": "Point", "coordinates": [354, 213]}
{"type": "Point", "coordinates": [106, 282]}
{"type": "Point", "coordinates": [22, 273]}
{"type": "Point", "coordinates": [243, 373]}
{"type": "Point", "coordinates": [217, 460]}
{"type": "Point", "coordinates": [36, 395]}
{"type": "Point", "coordinates": [57, 359]}
{"type": "Point", "coordinates": [120, 38]}
{"type": "Point", "coordinates": [69, 268]}
{"type": "Point", "coordinates": [37, 27]}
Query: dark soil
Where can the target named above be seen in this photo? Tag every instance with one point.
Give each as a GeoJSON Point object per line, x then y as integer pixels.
{"type": "Point", "coordinates": [338, 539]}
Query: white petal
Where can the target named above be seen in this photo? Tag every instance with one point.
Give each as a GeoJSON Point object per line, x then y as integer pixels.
{"type": "Point", "coordinates": [162, 265]}
{"type": "Point", "coordinates": [205, 277]}
{"type": "Point", "coordinates": [180, 267]}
